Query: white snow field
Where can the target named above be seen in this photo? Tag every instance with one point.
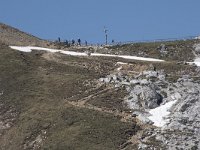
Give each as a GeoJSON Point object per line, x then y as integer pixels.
{"type": "Point", "coordinates": [30, 48]}
{"type": "Point", "coordinates": [197, 50]}
{"type": "Point", "coordinates": [197, 61]}
{"type": "Point", "coordinates": [158, 114]}
{"type": "Point", "coordinates": [197, 38]}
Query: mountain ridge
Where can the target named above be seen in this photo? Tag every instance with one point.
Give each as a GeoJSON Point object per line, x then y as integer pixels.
{"type": "Point", "coordinates": [50, 100]}
{"type": "Point", "coordinates": [13, 36]}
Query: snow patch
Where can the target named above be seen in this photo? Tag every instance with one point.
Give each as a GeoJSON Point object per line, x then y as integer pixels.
{"type": "Point", "coordinates": [197, 38]}
{"type": "Point", "coordinates": [139, 58]}
{"type": "Point", "coordinates": [30, 48]}
{"type": "Point", "coordinates": [73, 53]}
{"type": "Point", "coordinates": [196, 62]}
{"type": "Point", "coordinates": [121, 63]}
{"type": "Point", "coordinates": [22, 49]}
{"type": "Point", "coordinates": [158, 114]}
{"type": "Point", "coordinates": [118, 69]}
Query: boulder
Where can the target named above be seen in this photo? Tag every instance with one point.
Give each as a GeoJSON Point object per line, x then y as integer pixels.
{"type": "Point", "coordinates": [133, 102]}
{"type": "Point", "coordinates": [176, 96]}
{"type": "Point", "coordinates": [144, 82]}
{"type": "Point", "coordinates": [134, 81]}
{"type": "Point", "coordinates": [151, 98]}
{"type": "Point", "coordinates": [161, 77]}
{"type": "Point", "coordinates": [150, 74]}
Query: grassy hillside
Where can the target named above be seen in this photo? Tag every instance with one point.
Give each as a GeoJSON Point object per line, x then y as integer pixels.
{"type": "Point", "coordinates": [13, 36]}
{"type": "Point", "coordinates": [180, 50]}
{"type": "Point", "coordinates": [56, 101]}
{"type": "Point", "coordinates": [40, 109]}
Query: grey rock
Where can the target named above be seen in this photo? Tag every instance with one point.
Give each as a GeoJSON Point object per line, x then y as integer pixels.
{"type": "Point", "coordinates": [114, 77]}
{"type": "Point", "coordinates": [144, 119]}
{"type": "Point", "coordinates": [125, 83]}
{"type": "Point", "coordinates": [134, 81]}
{"type": "Point", "coordinates": [144, 82]}
{"type": "Point", "coordinates": [182, 130]}
{"type": "Point", "coordinates": [161, 77]}
{"type": "Point", "coordinates": [107, 80]}
{"type": "Point", "coordinates": [101, 79]}
{"type": "Point", "coordinates": [142, 146]}
{"type": "Point", "coordinates": [163, 47]}
{"type": "Point", "coordinates": [176, 96]}
{"type": "Point", "coordinates": [133, 102]}
{"type": "Point", "coordinates": [197, 48]}
{"type": "Point", "coordinates": [151, 98]}
{"type": "Point", "coordinates": [150, 74]}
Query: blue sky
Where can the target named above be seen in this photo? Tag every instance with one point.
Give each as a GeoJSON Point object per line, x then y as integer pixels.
{"type": "Point", "coordinates": [126, 20]}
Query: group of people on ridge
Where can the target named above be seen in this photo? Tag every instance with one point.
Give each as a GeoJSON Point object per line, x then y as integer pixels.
{"type": "Point", "coordinates": [73, 42]}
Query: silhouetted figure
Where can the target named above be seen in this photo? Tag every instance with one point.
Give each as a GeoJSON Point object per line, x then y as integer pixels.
{"type": "Point", "coordinates": [85, 43]}
{"type": "Point", "coordinates": [73, 41]}
{"type": "Point", "coordinates": [113, 41]}
{"type": "Point", "coordinates": [67, 43]}
{"type": "Point", "coordinates": [79, 42]}
{"type": "Point", "coordinates": [59, 39]}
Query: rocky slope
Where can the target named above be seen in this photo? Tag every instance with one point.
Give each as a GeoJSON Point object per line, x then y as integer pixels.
{"type": "Point", "coordinates": [56, 101]}
{"type": "Point", "coordinates": [151, 89]}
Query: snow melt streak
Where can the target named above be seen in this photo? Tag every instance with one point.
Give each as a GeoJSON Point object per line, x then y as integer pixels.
{"type": "Point", "coordinates": [29, 49]}
{"type": "Point", "coordinates": [159, 113]}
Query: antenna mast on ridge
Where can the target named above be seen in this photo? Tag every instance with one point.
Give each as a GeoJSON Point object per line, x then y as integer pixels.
{"type": "Point", "coordinates": [106, 34]}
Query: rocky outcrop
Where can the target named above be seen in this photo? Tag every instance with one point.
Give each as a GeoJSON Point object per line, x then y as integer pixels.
{"type": "Point", "coordinates": [149, 90]}
{"type": "Point", "coordinates": [143, 93]}
{"type": "Point", "coordinates": [184, 120]}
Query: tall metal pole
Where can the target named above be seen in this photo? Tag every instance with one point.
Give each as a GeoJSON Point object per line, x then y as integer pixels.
{"type": "Point", "coordinates": [106, 39]}
{"type": "Point", "coordinates": [106, 35]}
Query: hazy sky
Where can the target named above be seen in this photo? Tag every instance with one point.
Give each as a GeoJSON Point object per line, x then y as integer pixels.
{"type": "Point", "coordinates": [126, 20]}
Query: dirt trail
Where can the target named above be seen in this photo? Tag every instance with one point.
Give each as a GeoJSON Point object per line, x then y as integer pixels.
{"type": "Point", "coordinates": [93, 93]}
{"type": "Point", "coordinates": [125, 117]}
{"type": "Point", "coordinates": [82, 103]}
{"type": "Point", "coordinates": [97, 91]}
{"type": "Point", "coordinates": [52, 57]}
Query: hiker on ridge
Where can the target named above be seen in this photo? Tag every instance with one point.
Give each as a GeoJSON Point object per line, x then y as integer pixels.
{"type": "Point", "coordinates": [73, 42]}
{"type": "Point", "coordinates": [79, 42]}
